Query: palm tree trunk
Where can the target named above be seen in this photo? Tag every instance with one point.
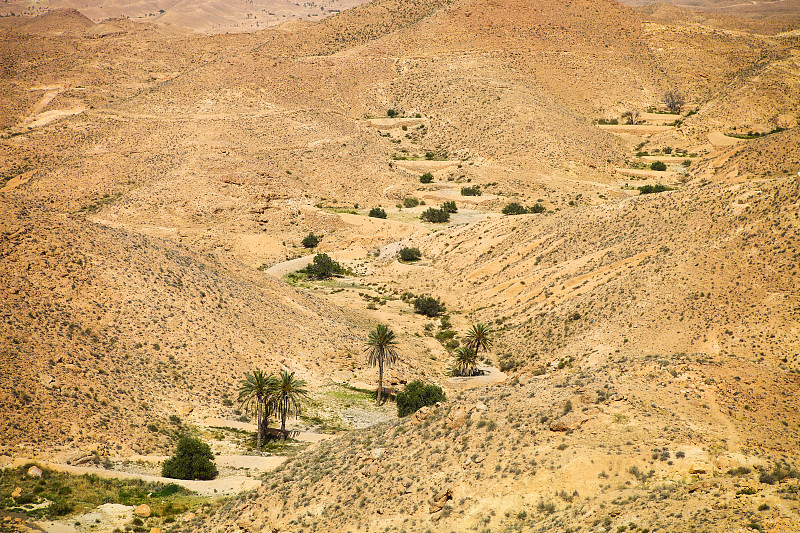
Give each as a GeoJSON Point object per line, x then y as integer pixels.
{"type": "Point", "coordinates": [380, 380]}
{"type": "Point", "coordinates": [283, 426]}
{"type": "Point", "coordinates": [259, 422]}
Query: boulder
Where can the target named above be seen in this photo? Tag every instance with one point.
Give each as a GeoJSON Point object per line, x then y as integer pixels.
{"type": "Point", "coordinates": [456, 418]}
{"type": "Point", "coordinates": [17, 492]}
{"type": "Point", "coordinates": [34, 471]}
{"type": "Point", "coordinates": [188, 517]}
{"type": "Point", "coordinates": [142, 510]}
{"type": "Point", "coordinates": [570, 421]}
{"type": "Point", "coordinates": [156, 530]}
{"type": "Point", "coordinates": [785, 121]}
{"type": "Point", "coordinates": [438, 501]}
{"type": "Point", "coordinates": [421, 414]}
{"type": "Point", "coordinates": [79, 457]}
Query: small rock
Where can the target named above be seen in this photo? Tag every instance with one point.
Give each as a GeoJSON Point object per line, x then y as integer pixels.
{"type": "Point", "coordinates": [376, 452]}
{"type": "Point", "coordinates": [189, 516]}
{"type": "Point", "coordinates": [156, 530]}
{"type": "Point", "coordinates": [17, 492]}
{"type": "Point", "coordinates": [438, 501]}
{"type": "Point", "coordinates": [421, 415]}
{"type": "Point", "coordinates": [34, 471]}
{"type": "Point", "coordinates": [142, 510]}
{"type": "Point", "coordinates": [573, 420]}
{"type": "Point", "coordinates": [480, 406]}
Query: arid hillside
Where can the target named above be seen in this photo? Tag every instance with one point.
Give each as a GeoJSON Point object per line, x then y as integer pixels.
{"type": "Point", "coordinates": [106, 332]}
{"type": "Point", "coordinates": [157, 186]}
{"type": "Point", "coordinates": [228, 16]}
{"type": "Point", "coordinates": [652, 345]}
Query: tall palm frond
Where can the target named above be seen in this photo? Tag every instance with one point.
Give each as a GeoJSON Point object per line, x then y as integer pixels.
{"type": "Point", "coordinates": [479, 337]}
{"type": "Point", "coordinates": [286, 395]}
{"type": "Point", "coordinates": [381, 351]}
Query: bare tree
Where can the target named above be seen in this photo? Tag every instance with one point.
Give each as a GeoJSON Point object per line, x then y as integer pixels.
{"type": "Point", "coordinates": [632, 116]}
{"type": "Point", "coordinates": [674, 101]}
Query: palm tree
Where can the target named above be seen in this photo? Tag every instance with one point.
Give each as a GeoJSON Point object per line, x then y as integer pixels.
{"type": "Point", "coordinates": [286, 394]}
{"type": "Point", "coordinates": [254, 392]}
{"type": "Point", "coordinates": [466, 361]}
{"type": "Point", "coordinates": [479, 337]}
{"type": "Point", "coordinates": [381, 351]}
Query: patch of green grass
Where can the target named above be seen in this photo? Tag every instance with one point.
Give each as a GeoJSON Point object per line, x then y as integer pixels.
{"type": "Point", "coordinates": [72, 494]}
{"type": "Point", "coordinates": [100, 203]}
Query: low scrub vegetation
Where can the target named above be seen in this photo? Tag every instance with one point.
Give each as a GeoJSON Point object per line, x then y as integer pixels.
{"type": "Point", "coordinates": [429, 306]}
{"type": "Point", "coordinates": [410, 202]}
{"type": "Point", "coordinates": [450, 206]}
{"type": "Point", "coordinates": [652, 189]}
{"type": "Point", "coordinates": [472, 190]}
{"type": "Point", "coordinates": [659, 166]}
{"type": "Point", "coordinates": [69, 493]}
{"type": "Point", "coordinates": [377, 212]}
{"type": "Point", "coordinates": [192, 460]}
{"type": "Point", "coordinates": [311, 240]}
{"type": "Point", "coordinates": [323, 267]}
{"type": "Point", "coordinates": [416, 395]}
{"type": "Point", "coordinates": [426, 178]}
{"type": "Point", "coordinates": [515, 208]}
{"type": "Point", "coordinates": [437, 216]}
{"type": "Point", "coordinates": [409, 254]}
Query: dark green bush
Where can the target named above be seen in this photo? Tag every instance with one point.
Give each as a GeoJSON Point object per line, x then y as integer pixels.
{"type": "Point", "coordinates": [449, 206]}
{"type": "Point", "coordinates": [426, 178]}
{"type": "Point", "coordinates": [536, 208]}
{"type": "Point", "coordinates": [311, 240]}
{"type": "Point", "coordinates": [473, 190]}
{"type": "Point", "coordinates": [377, 212]}
{"type": "Point", "coordinates": [651, 189]}
{"type": "Point", "coordinates": [391, 113]}
{"type": "Point", "coordinates": [428, 306]}
{"type": "Point", "coordinates": [658, 165]}
{"type": "Point", "coordinates": [417, 394]}
{"type": "Point", "coordinates": [323, 267]}
{"type": "Point", "coordinates": [410, 202]}
{"type": "Point", "coordinates": [192, 460]}
{"type": "Point", "coordinates": [514, 208]}
{"type": "Point", "coordinates": [409, 254]}
{"type": "Point", "coordinates": [435, 215]}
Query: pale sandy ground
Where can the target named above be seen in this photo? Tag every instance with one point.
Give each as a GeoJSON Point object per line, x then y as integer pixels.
{"type": "Point", "coordinates": [719, 140]}
{"type": "Point", "coordinates": [387, 123]}
{"type": "Point", "coordinates": [491, 376]}
{"type": "Point", "coordinates": [643, 129]}
{"type": "Point", "coordinates": [663, 176]}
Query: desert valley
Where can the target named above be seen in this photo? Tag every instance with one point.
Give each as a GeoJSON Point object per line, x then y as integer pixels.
{"type": "Point", "coordinates": [564, 235]}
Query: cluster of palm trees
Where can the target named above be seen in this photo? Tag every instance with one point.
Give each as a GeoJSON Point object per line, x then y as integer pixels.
{"type": "Point", "coordinates": [466, 357]}
{"type": "Point", "coordinates": [267, 396]}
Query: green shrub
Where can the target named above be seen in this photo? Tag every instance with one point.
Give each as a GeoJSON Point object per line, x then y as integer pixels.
{"type": "Point", "coordinates": [410, 202]}
{"type": "Point", "coordinates": [428, 306]}
{"type": "Point", "coordinates": [473, 190]}
{"type": "Point", "coordinates": [658, 165]}
{"type": "Point", "coordinates": [450, 206]}
{"type": "Point", "coordinates": [514, 208]}
{"type": "Point", "coordinates": [323, 267]}
{"type": "Point", "coordinates": [426, 178]}
{"type": "Point", "coordinates": [409, 254]}
{"type": "Point", "coordinates": [416, 395]}
{"type": "Point", "coordinates": [651, 189]}
{"type": "Point", "coordinates": [377, 212]}
{"type": "Point", "coordinates": [311, 240]}
{"type": "Point", "coordinates": [60, 508]}
{"type": "Point", "coordinates": [434, 215]}
{"type": "Point", "coordinates": [391, 113]}
{"type": "Point", "coordinates": [686, 162]}
{"type": "Point", "coordinates": [192, 460]}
